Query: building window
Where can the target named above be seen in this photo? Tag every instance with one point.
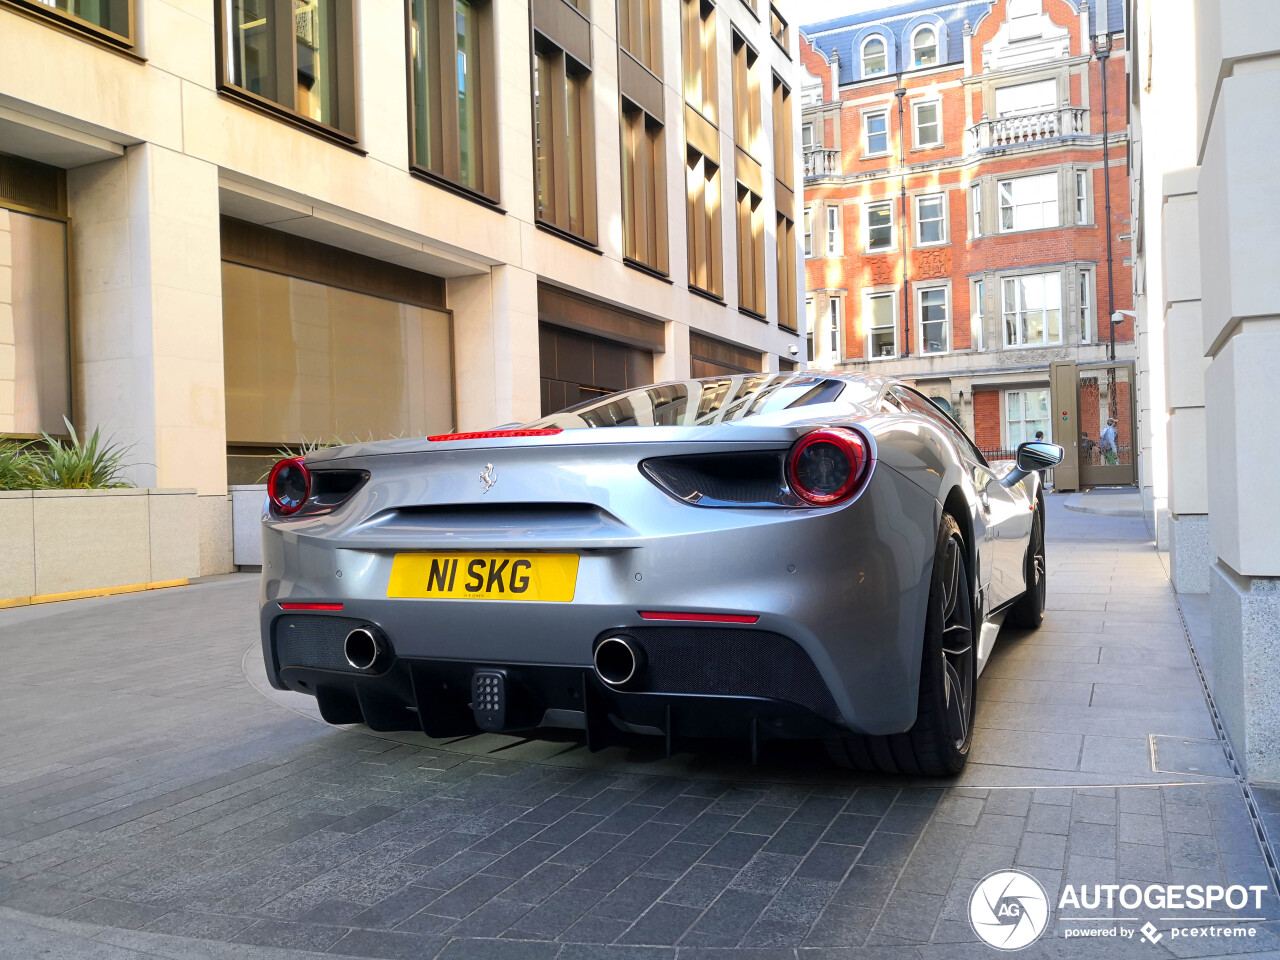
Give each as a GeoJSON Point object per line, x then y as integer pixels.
{"type": "Point", "coordinates": [977, 335]}
{"type": "Point", "coordinates": [644, 205]}
{"type": "Point", "coordinates": [751, 295]}
{"type": "Point", "coordinates": [786, 243]}
{"type": "Point", "coordinates": [975, 208]}
{"type": "Point", "coordinates": [874, 60]}
{"type": "Point", "coordinates": [640, 32]}
{"type": "Point", "coordinates": [746, 96]}
{"type": "Point", "coordinates": [806, 137]}
{"type": "Point", "coordinates": [882, 333]}
{"type": "Point", "coordinates": [563, 142]}
{"type": "Point", "coordinates": [295, 58]}
{"type": "Point", "coordinates": [931, 221]}
{"type": "Point", "coordinates": [834, 246]}
{"type": "Point", "coordinates": [1082, 196]}
{"type": "Point", "coordinates": [924, 47]}
{"type": "Point", "coordinates": [808, 232]}
{"type": "Point", "coordinates": [1085, 315]}
{"type": "Point", "coordinates": [808, 328]}
{"type": "Point", "coordinates": [1032, 308]}
{"type": "Point", "coordinates": [833, 330]}
{"type": "Point", "coordinates": [928, 125]}
{"type": "Point", "coordinates": [876, 131]}
{"type": "Point", "coordinates": [880, 225]}
{"type": "Point", "coordinates": [784, 167]}
{"type": "Point", "coordinates": [779, 30]}
{"type": "Point", "coordinates": [935, 326]}
{"type": "Point", "coordinates": [1038, 97]}
{"type": "Point", "coordinates": [703, 213]}
{"type": "Point", "coordinates": [698, 30]}
{"type": "Point", "coordinates": [110, 20]}
{"type": "Point", "coordinates": [452, 93]}
{"type": "Point", "coordinates": [1026, 412]}
{"type": "Point", "coordinates": [1028, 203]}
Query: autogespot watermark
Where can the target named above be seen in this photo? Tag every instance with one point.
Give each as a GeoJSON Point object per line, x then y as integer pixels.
{"type": "Point", "coordinates": [1009, 910]}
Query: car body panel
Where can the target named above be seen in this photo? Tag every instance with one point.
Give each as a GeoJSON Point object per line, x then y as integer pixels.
{"type": "Point", "coordinates": [847, 583]}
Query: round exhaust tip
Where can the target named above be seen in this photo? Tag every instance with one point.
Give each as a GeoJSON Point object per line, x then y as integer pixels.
{"type": "Point", "coordinates": [617, 661]}
{"type": "Point", "coordinates": [362, 648]}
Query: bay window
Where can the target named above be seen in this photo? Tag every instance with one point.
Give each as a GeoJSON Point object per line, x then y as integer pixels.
{"type": "Point", "coordinates": [1029, 203]}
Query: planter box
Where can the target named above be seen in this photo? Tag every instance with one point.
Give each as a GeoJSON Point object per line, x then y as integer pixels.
{"type": "Point", "coordinates": [58, 541]}
{"type": "Point", "coordinates": [247, 503]}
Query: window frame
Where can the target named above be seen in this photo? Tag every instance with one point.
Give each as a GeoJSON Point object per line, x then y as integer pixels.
{"type": "Point", "coordinates": [862, 55]}
{"type": "Point", "coordinates": [747, 119]}
{"type": "Point", "coordinates": [348, 105]}
{"type": "Point", "coordinates": [705, 248]}
{"type": "Point", "coordinates": [644, 182]}
{"type": "Point", "coordinates": [1085, 297]}
{"type": "Point", "coordinates": [1019, 312]}
{"type": "Point", "coordinates": [646, 14]}
{"type": "Point", "coordinates": [808, 232]}
{"type": "Point", "coordinates": [975, 210]}
{"type": "Point", "coordinates": [785, 241]}
{"type": "Point", "coordinates": [809, 319]}
{"type": "Point", "coordinates": [942, 218]}
{"type": "Point", "coordinates": [867, 152]}
{"type": "Point", "coordinates": [1083, 207]}
{"type": "Point", "coordinates": [1042, 83]}
{"type": "Point", "coordinates": [698, 30]}
{"type": "Point", "coordinates": [917, 143]}
{"type": "Point", "coordinates": [831, 225]}
{"type": "Point", "coordinates": [1006, 435]}
{"type": "Point", "coordinates": [977, 315]}
{"type": "Point", "coordinates": [120, 42]}
{"type": "Point", "coordinates": [1013, 206]}
{"type": "Point", "coordinates": [866, 222]}
{"type": "Point", "coordinates": [749, 210]}
{"type": "Point", "coordinates": [566, 85]}
{"type": "Point", "coordinates": [869, 330]}
{"type": "Point", "coordinates": [834, 328]}
{"type": "Point", "coordinates": [783, 133]}
{"type": "Point", "coordinates": [446, 169]}
{"type": "Point", "coordinates": [937, 53]}
{"type": "Point", "coordinates": [945, 321]}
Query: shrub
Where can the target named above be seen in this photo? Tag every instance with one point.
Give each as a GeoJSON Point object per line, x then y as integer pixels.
{"type": "Point", "coordinates": [17, 467]}
{"type": "Point", "coordinates": [90, 464]}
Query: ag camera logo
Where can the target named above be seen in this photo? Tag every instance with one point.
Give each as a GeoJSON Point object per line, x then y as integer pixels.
{"type": "Point", "coordinates": [1009, 910]}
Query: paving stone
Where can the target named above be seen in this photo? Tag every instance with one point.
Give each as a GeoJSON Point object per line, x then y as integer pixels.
{"type": "Point", "coordinates": [699, 886]}
{"type": "Point", "coordinates": [661, 925]}
{"type": "Point", "coordinates": [294, 936]}
{"type": "Point", "coordinates": [727, 921]}
{"type": "Point", "coordinates": [1048, 818]}
{"type": "Point", "coordinates": [388, 944]}
{"type": "Point", "coordinates": [733, 850]}
{"type": "Point", "coordinates": [631, 898]}
{"type": "Point", "coordinates": [1042, 850]}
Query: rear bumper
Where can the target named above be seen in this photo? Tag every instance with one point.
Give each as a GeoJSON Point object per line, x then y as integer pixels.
{"type": "Point", "coordinates": [848, 587]}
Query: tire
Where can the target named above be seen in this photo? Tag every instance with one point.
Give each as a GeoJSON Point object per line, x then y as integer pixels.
{"type": "Point", "coordinates": [937, 745]}
{"type": "Point", "coordinates": [1028, 611]}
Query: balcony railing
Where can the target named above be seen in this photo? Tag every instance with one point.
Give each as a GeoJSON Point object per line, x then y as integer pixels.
{"type": "Point", "coordinates": [1028, 127]}
{"type": "Point", "coordinates": [821, 162]}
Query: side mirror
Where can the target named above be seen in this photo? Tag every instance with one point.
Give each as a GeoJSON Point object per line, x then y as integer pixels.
{"type": "Point", "coordinates": [1032, 456]}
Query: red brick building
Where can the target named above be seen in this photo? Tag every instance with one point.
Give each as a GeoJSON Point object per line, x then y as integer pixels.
{"type": "Point", "coordinates": [964, 142]}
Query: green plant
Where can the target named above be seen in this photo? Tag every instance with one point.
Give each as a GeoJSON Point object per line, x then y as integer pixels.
{"type": "Point", "coordinates": [303, 449]}
{"type": "Point", "coordinates": [17, 466]}
{"type": "Point", "coordinates": [93, 463]}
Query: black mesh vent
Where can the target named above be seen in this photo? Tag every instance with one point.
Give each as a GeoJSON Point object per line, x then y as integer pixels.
{"type": "Point", "coordinates": [750, 663]}
{"type": "Point", "coordinates": [313, 641]}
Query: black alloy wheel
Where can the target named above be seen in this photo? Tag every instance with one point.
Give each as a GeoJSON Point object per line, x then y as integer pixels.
{"type": "Point", "coordinates": [957, 642]}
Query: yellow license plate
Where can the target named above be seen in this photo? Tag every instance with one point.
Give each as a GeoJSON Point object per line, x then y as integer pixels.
{"type": "Point", "coordinates": [484, 576]}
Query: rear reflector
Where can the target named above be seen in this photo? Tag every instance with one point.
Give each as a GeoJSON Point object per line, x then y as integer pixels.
{"type": "Point", "coordinates": [488, 434]}
{"type": "Point", "coordinates": [698, 617]}
{"type": "Point", "coordinates": [310, 606]}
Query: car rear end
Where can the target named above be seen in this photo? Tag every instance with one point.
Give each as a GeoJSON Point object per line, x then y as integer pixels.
{"type": "Point", "coordinates": [639, 580]}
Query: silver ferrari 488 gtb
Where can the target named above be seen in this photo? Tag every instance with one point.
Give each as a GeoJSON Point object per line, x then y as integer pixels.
{"type": "Point", "coordinates": [761, 556]}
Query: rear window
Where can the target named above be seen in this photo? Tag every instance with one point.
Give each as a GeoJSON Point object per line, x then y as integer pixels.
{"type": "Point", "coordinates": [696, 403]}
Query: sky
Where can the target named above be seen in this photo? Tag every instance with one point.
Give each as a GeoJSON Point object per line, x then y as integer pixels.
{"type": "Point", "coordinates": [814, 11]}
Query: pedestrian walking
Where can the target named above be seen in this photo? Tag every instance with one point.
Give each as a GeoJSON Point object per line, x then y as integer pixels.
{"type": "Point", "coordinates": [1107, 442]}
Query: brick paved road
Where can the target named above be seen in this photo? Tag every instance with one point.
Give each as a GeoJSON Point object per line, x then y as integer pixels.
{"type": "Point", "coordinates": [156, 801]}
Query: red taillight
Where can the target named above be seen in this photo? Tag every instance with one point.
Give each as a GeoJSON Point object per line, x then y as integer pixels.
{"type": "Point", "coordinates": [826, 466]}
{"type": "Point", "coordinates": [698, 617]}
{"type": "Point", "coordinates": [289, 486]}
{"type": "Point", "coordinates": [311, 606]}
{"type": "Point", "coordinates": [490, 434]}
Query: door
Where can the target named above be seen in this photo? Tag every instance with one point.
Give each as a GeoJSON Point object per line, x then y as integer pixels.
{"type": "Point", "coordinates": [1105, 402]}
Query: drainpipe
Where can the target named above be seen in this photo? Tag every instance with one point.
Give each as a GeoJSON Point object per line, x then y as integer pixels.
{"type": "Point", "coordinates": [1102, 49]}
{"type": "Point", "coordinates": [901, 94]}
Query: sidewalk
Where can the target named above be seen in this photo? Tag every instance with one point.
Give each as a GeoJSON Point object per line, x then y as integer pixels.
{"type": "Point", "coordinates": [157, 799]}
